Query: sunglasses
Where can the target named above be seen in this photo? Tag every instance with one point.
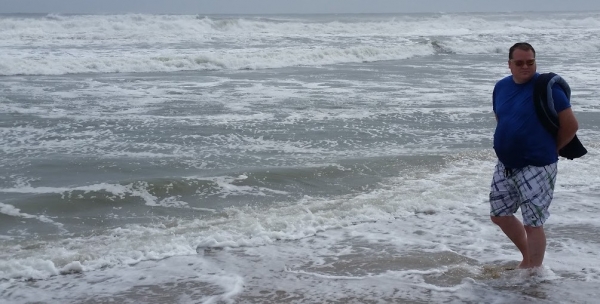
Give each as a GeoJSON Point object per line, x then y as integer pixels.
{"type": "Point", "coordinates": [520, 63]}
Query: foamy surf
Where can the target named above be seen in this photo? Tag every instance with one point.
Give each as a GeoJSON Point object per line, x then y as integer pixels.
{"type": "Point", "coordinates": [169, 43]}
{"type": "Point", "coordinates": [349, 163]}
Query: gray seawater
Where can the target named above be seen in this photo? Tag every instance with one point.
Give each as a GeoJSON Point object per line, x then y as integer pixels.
{"type": "Point", "coordinates": [336, 130]}
{"type": "Point", "coordinates": [348, 181]}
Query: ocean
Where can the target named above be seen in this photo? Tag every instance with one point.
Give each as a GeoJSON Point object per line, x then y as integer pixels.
{"type": "Point", "coordinates": [280, 159]}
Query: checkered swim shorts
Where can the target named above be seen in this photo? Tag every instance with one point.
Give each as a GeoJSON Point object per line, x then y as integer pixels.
{"type": "Point", "coordinates": [530, 188]}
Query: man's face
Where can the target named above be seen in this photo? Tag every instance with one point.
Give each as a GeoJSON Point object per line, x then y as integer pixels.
{"type": "Point", "coordinates": [522, 65]}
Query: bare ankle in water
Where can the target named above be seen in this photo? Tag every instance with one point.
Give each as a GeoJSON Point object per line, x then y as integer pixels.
{"type": "Point", "coordinates": [524, 265]}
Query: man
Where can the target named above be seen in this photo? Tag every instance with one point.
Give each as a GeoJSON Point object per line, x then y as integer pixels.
{"type": "Point", "coordinates": [527, 153]}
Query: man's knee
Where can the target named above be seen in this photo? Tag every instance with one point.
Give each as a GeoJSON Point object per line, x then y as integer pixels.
{"type": "Point", "coordinates": [530, 229]}
{"type": "Point", "coordinates": [499, 220]}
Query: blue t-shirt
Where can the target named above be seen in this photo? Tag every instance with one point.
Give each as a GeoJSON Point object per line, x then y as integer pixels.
{"type": "Point", "coordinates": [520, 140]}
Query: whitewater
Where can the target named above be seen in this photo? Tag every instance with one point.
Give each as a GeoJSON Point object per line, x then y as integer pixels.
{"type": "Point", "coordinates": [280, 159]}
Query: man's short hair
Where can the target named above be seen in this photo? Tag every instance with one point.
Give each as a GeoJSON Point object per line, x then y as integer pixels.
{"type": "Point", "coordinates": [524, 46]}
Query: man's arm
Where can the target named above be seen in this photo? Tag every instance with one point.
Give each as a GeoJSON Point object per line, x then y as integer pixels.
{"type": "Point", "coordinates": [568, 125]}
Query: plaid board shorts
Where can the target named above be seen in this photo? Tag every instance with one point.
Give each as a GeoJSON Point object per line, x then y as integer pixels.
{"type": "Point", "coordinates": [530, 188]}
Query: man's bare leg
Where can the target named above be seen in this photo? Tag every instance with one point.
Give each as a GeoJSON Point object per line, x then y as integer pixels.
{"type": "Point", "coordinates": [536, 245]}
{"type": "Point", "coordinates": [514, 229]}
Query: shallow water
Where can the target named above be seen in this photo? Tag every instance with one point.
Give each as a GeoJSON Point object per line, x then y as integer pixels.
{"type": "Point", "coordinates": [200, 160]}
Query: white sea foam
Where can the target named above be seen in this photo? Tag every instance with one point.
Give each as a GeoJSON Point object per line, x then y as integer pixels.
{"type": "Point", "coordinates": [437, 211]}
{"type": "Point", "coordinates": [430, 212]}
{"type": "Point", "coordinates": [12, 211]}
{"type": "Point", "coordinates": [138, 189]}
{"type": "Point", "coordinates": [222, 186]}
{"type": "Point", "coordinates": [337, 246]}
{"type": "Point", "coordinates": [85, 44]}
